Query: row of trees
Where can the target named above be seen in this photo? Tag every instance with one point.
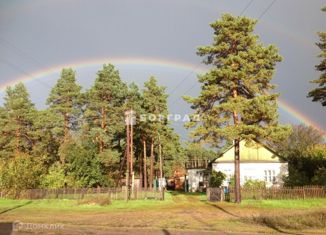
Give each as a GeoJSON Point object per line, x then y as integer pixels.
{"type": "Point", "coordinates": [79, 140]}
{"type": "Point", "coordinates": [305, 152]}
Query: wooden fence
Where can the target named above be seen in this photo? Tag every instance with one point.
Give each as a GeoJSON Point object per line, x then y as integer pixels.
{"type": "Point", "coordinates": [272, 193]}
{"type": "Point", "coordinates": [82, 193]}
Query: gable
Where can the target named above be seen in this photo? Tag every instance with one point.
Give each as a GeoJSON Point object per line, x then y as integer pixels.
{"type": "Point", "coordinates": [254, 152]}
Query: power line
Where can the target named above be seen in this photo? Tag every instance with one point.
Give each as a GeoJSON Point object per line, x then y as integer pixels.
{"type": "Point", "coordinates": [185, 78]}
{"type": "Point", "coordinates": [20, 70]}
{"type": "Point", "coordinates": [246, 7]}
{"type": "Point", "coordinates": [195, 84]}
{"type": "Point", "coordinates": [267, 9]}
{"type": "Point", "coordinates": [7, 43]}
{"type": "Point", "coordinates": [20, 53]}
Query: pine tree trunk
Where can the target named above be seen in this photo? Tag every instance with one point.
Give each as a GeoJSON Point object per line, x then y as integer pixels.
{"type": "Point", "coordinates": [17, 140]}
{"type": "Point", "coordinates": [103, 125]}
{"type": "Point", "coordinates": [237, 170]}
{"type": "Point", "coordinates": [145, 165]}
{"type": "Point", "coordinates": [237, 189]}
{"type": "Point", "coordinates": [152, 166]}
{"type": "Point", "coordinates": [140, 158]}
{"type": "Point", "coordinates": [161, 161]}
{"type": "Point", "coordinates": [65, 116]}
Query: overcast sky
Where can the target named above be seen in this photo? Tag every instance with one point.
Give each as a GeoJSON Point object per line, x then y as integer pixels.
{"type": "Point", "coordinates": [38, 34]}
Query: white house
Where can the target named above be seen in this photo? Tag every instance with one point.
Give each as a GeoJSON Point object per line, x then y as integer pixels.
{"type": "Point", "coordinates": [257, 162]}
{"type": "Point", "coordinates": [197, 175]}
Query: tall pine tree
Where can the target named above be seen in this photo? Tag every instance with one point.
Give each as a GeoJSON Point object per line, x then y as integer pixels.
{"type": "Point", "coordinates": [17, 122]}
{"type": "Point", "coordinates": [104, 118]}
{"type": "Point", "coordinates": [155, 105]}
{"type": "Point", "coordinates": [65, 102]}
{"type": "Point", "coordinates": [236, 101]}
{"type": "Point", "coordinates": [104, 107]}
{"type": "Point", "coordinates": [319, 94]}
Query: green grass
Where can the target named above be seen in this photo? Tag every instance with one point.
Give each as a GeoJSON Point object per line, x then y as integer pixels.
{"type": "Point", "coordinates": [72, 205]}
{"type": "Point", "coordinates": [171, 199]}
{"type": "Point", "coordinates": [286, 204]}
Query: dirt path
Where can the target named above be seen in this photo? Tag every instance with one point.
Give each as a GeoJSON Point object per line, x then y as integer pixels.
{"type": "Point", "coordinates": [184, 214]}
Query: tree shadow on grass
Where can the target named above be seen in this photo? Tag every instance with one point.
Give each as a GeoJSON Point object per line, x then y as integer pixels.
{"type": "Point", "coordinates": [223, 210]}
{"type": "Point", "coordinates": [264, 222]}
{"type": "Point", "coordinates": [166, 232]}
{"type": "Point", "coordinates": [15, 207]}
{"type": "Point", "coordinates": [270, 224]}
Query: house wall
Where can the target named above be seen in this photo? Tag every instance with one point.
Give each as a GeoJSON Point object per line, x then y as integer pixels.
{"type": "Point", "coordinates": [255, 171]}
{"type": "Point", "coordinates": [194, 176]}
{"type": "Point", "coordinates": [250, 152]}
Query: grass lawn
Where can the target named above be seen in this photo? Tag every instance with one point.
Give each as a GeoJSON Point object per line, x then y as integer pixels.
{"type": "Point", "coordinates": [178, 211]}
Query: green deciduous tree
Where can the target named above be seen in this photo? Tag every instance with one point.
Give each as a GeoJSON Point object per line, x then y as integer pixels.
{"type": "Point", "coordinates": [83, 168]}
{"type": "Point", "coordinates": [236, 100]}
{"type": "Point", "coordinates": [304, 150]}
{"type": "Point", "coordinates": [19, 173]}
{"type": "Point", "coordinates": [319, 94]}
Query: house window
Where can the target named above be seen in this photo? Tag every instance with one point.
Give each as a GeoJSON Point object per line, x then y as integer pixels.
{"type": "Point", "coordinates": [274, 177]}
{"type": "Point", "coordinates": [269, 176]}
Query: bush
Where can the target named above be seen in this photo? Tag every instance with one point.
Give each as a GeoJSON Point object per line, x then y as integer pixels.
{"type": "Point", "coordinates": [18, 174]}
{"type": "Point", "coordinates": [253, 184]}
{"type": "Point", "coordinates": [55, 178]}
{"type": "Point", "coordinates": [320, 177]}
{"type": "Point", "coordinates": [216, 179]}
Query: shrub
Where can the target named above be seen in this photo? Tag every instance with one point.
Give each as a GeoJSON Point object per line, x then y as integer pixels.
{"type": "Point", "coordinates": [216, 179]}
{"type": "Point", "coordinates": [253, 184]}
{"type": "Point", "coordinates": [55, 178]}
{"type": "Point", "coordinates": [320, 177]}
{"type": "Point", "coordinates": [18, 174]}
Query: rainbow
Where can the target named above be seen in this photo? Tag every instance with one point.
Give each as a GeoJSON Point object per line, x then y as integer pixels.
{"type": "Point", "coordinates": [152, 62]}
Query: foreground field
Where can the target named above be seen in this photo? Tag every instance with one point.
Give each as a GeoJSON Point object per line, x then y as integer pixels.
{"type": "Point", "coordinates": [178, 214]}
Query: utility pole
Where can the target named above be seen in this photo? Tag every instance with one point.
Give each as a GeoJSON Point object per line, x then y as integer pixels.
{"type": "Point", "coordinates": [161, 167]}
{"type": "Point", "coordinates": [130, 121]}
{"type": "Point", "coordinates": [128, 155]}
{"type": "Point", "coordinates": [145, 165]}
{"type": "Point", "coordinates": [132, 150]}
